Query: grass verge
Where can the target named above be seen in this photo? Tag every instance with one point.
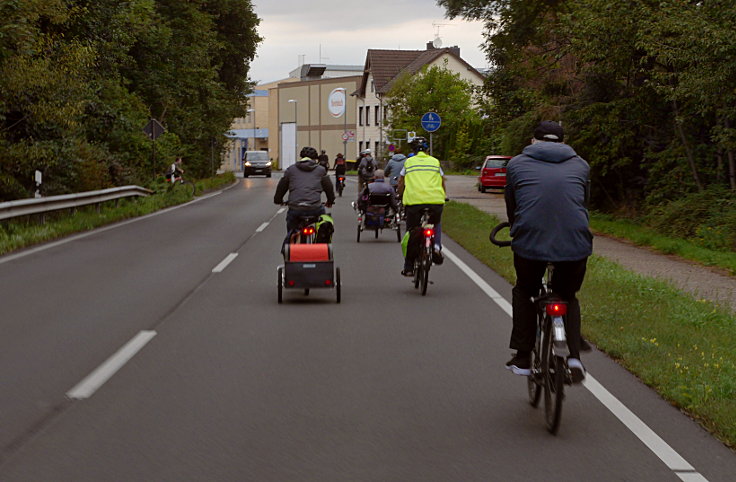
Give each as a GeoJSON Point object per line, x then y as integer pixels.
{"type": "Point", "coordinates": [682, 347]}
{"type": "Point", "coordinates": [21, 233]}
{"type": "Point", "coordinates": [642, 236]}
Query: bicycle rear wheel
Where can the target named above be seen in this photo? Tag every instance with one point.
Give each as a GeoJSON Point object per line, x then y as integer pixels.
{"type": "Point", "coordinates": [534, 387]}
{"type": "Point", "coordinates": [426, 262]}
{"type": "Point", "coordinates": [417, 272]}
{"type": "Point", "coordinates": [553, 371]}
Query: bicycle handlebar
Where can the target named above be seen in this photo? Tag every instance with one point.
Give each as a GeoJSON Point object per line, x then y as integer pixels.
{"type": "Point", "coordinates": [495, 231]}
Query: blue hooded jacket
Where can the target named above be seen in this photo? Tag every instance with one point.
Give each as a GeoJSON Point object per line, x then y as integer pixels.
{"type": "Point", "coordinates": [546, 194]}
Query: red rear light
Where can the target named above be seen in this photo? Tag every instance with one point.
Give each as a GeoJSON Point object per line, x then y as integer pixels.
{"type": "Point", "coordinates": [308, 230]}
{"type": "Point", "coordinates": [328, 282]}
{"type": "Point", "coordinates": [428, 233]}
{"type": "Point", "coordinates": [292, 282]}
{"type": "Point", "coordinates": [556, 309]}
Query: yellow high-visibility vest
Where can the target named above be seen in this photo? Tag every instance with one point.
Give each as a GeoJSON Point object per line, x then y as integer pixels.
{"type": "Point", "coordinates": [423, 180]}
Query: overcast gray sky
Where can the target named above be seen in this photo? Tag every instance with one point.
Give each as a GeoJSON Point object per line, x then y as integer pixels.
{"type": "Point", "coordinates": [346, 29]}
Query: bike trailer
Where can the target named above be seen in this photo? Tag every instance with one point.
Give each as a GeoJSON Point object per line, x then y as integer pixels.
{"type": "Point", "coordinates": [308, 266]}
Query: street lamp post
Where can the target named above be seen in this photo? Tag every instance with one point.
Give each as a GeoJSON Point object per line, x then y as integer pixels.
{"type": "Point", "coordinates": [296, 132]}
{"type": "Point", "coordinates": [253, 111]}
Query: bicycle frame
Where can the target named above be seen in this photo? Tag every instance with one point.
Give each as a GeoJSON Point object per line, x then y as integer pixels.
{"type": "Point", "coordinates": [423, 261]}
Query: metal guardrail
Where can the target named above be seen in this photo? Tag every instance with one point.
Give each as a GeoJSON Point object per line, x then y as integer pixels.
{"type": "Point", "coordinates": [24, 207]}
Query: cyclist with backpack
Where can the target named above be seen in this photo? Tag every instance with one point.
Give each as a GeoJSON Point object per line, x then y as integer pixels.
{"type": "Point", "coordinates": [366, 169]}
{"type": "Point", "coordinates": [422, 185]}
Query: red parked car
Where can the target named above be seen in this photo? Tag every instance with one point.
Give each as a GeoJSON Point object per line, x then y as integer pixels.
{"type": "Point", "coordinates": [493, 173]}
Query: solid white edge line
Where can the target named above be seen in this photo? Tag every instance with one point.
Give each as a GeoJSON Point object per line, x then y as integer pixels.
{"type": "Point", "coordinates": [490, 292]}
{"type": "Point", "coordinates": [667, 454]}
{"type": "Point", "coordinates": [99, 376]}
{"type": "Point", "coordinates": [281, 210]}
{"type": "Point", "coordinates": [262, 227]}
{"type": "Point", "coordinates": [656, 444]}
{"type": "Point", "coordinates": [223, 264]}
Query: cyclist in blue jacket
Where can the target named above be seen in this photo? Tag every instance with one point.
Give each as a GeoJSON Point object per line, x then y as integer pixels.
{"type": "Point", "coordinates": [546, 198]}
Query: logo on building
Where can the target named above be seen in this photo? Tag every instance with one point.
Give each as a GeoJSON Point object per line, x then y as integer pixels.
{"type": "Point", "coordinates": [336, 102]}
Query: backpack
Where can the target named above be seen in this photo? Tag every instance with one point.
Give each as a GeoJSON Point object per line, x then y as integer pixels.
{"type": "Point", "coordinates": [325, 227]}
{"type": "Point", "coordinates": [367, 169]}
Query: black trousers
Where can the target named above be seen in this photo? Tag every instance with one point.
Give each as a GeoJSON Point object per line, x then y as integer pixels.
{"type": "Point", "coordinates": [413, 219]}
{"type": "Point", "coordinates": [567, 278]}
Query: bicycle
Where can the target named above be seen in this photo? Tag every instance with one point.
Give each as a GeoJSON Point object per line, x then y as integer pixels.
{"type": "Point", "coordinates": [178, 180]}
{"type": "Point", "coordinates": [306, 231]}
{"type": "Point", "coordinates": [549, 355]}
{"type": "Point", "coordinates": [423, 260]}
{"type": "Point", "coordinates": [340, 184]}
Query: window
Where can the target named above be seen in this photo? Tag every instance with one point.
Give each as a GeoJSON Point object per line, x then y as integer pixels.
{"type": "Point", "coordinates": [367, 115]}
{"type": "Point", "coordinates": [373, 86]}
{"type": "Point", "coordinates": [360, 116]}
{"type": "Point", "coordinates": [360, 146]}
{"type": "Point", "coordinates": [376, 116]}
{"type": "Point", "coordinates": [376, 148]}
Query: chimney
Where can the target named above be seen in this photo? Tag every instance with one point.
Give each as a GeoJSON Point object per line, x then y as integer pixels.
{"type": "Point", "coordinates": [430, 46]}
{"type": "Point", "coordinates": [455, 50]}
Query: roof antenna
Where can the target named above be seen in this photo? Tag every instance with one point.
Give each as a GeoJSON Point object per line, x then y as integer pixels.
{"type": "Point", "coordinates": [437, 42]}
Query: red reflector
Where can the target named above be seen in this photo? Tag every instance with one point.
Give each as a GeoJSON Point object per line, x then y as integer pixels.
{"type": "Point", "coordinates": [428, 233]}
{"type": "Point", "coordinates": [328, 282]}
{"type": "Point", "coordinates": [557, 309]}
{"type": "Point", "coordinates": [292, 282]}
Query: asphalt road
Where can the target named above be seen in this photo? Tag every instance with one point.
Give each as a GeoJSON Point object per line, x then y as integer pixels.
{"type": "Point", "coordinates": [217, 381]}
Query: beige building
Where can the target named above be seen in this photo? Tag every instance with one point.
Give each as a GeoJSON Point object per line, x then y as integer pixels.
{"type": "Point", "coordinates": [318, 113]}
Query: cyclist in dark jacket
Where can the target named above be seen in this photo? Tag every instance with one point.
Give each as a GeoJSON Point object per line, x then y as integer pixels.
{"type": "Point", "coordinates": [546, 196]}
{"type": "Point", "coordinates": [305, 181]}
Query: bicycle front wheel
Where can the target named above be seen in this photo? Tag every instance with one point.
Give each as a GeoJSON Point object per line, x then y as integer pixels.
{"type": "Point", "coordinates": [189, 188]}
{"type": "Point", "coordinates": [553, 372]}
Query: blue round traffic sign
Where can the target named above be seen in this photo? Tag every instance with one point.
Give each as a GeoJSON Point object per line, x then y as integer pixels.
{"type": "Point", "coordinates": [431, 121]}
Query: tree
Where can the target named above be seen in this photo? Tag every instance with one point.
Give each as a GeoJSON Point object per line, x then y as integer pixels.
{"type": "Point", "coordinates": [435, 89]}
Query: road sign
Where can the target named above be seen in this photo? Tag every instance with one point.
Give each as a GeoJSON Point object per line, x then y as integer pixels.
{"type": "Point", "coordinates": [154, 129]}
{"type": "Point", "coordinates": [391, 148]}
{"type": "Point", "coordinates": [410, 136]}
{"type": "Point", "coordinates": [431, 121]}
{"type": "Point", "coordinates": [345, 136]}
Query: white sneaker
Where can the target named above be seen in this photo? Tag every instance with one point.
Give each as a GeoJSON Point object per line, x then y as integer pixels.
{"type": "Point", "coordinates": [577, 370]}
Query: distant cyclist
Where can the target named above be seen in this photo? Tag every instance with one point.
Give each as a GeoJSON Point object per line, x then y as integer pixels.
{"type": "Point", "coordinates": [546, 197]}
{"type": "Point", "coordinates": [175, 170]}
{"type": "Point", "coordinates": [339, 166]}
{"type": "Point", "coordinates": [323, 160]}
{"type": "Point", "coordinates": [305, 182]}
{"type": "Point", "coordinates": [366, 167]}
{"type": "Point", "coordinates": [394, 167]}
{"type": "Point", "coordinates": [422, 185]}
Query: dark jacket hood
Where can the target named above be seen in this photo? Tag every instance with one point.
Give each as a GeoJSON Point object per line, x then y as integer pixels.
{"type": "Point", "coordinates": [307, 164]}
{"type": "Point", "coordinates": [549, 151]}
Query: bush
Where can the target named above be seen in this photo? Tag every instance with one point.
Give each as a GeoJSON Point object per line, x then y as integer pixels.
{"type": "Point", "coordinates": [707, 218]}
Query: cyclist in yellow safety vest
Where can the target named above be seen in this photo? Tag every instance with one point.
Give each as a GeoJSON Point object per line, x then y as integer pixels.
{"type": "Point", "coordinates": [422, 185]}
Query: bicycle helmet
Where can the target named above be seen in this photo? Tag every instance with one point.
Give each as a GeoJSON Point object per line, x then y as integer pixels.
{"type": "Point", "coordinates": [419, 144]}
{"type": "Point", "coordinates": [309, 152]}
